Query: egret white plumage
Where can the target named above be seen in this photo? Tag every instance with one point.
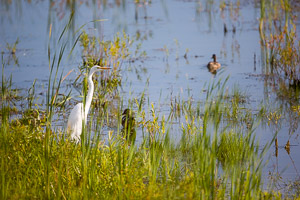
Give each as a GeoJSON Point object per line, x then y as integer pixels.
{"type": "Point", "coordinates": [79, 113]}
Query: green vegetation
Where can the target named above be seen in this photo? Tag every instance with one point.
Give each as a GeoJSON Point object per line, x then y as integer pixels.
{"type": "Point", "coordinates": [234, 149]}
{"type": "Point", "coordinates": [12, 48]}
{"type": "Point", "coordinates": [43, 163]}
{"type": "Point", "coordinates": [11, 52]}
{"type": "Point", "coordinates": [280, 46]}
{"type": "Point", "coordinates": [280, 41]}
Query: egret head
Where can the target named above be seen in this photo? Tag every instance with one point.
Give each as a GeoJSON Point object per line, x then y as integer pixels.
{"type": "Point", "coordinates": [97, 68]}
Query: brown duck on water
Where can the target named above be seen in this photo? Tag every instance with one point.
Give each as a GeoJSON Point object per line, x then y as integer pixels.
{"type": "Point", "coordinates": [214, 65]}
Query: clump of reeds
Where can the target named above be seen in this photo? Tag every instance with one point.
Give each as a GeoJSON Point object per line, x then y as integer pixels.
{"type": "Point", "coordinates": [233, 149]}
{"type": "Point", "coordinates": [279, 36]}
{"type": "Point", "coordinates": [285, 54]}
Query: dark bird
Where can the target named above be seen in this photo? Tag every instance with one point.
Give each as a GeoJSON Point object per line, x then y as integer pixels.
{"type": "Point", "coordinates": [214, 65]}
{"type": "Point", "coordinates": [225, 29]}
{"type": "Point", "coordinates": [128, 123]}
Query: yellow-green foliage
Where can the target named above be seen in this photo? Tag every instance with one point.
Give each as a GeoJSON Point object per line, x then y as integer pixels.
{"type": "Point", "coordinates": [105, 53]}
{"type": "Point", "coordinates": [233, 148]}
{"type": "Point", "coordinates": [112, 169]}
{"type": "Point", "coordinates": [279, 36]}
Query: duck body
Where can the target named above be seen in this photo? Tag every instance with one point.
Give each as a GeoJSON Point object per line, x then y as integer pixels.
{"type": "Point", "coordinates": [128, 123]}
{"type": "Point", "coordinates": [214, 65]}
{"type": "Point", "coordinates": [128, 119]}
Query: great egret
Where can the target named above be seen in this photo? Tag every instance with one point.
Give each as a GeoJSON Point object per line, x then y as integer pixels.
{"type": "Point", "coordinates": [213, 66]}
{"type": "Point", "coordinates": [79, 114]}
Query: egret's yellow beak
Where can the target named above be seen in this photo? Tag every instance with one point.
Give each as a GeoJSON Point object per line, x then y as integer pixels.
{"type": "Point", "coordinates": [104, 67]}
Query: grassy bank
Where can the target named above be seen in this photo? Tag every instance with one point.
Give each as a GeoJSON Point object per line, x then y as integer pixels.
{"type": "Point", "coordinates": [214, 159]}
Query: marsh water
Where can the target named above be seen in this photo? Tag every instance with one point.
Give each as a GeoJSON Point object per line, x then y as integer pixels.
{"type": "Point", "coordinates": [179, 38]}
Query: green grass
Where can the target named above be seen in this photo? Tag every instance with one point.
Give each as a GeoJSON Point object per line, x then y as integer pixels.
{"type": "Point", "coordinates": [43, 163]}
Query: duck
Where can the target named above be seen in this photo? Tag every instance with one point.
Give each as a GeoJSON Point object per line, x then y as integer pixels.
{"type": "Point", "coordinates": [128, 123]}
{"type": "Point", "coordinates": [214, 65]}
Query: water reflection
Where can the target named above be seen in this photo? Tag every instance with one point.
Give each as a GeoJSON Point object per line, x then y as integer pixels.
{"type": "Point", "coordinates": [141, 10]}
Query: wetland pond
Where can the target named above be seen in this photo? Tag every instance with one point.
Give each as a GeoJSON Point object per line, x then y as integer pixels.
{"type": "Point", "coordinates": [171, 43]}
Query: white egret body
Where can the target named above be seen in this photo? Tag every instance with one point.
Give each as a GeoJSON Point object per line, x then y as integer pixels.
{"type": "Point", "coordinates": [79, 114]}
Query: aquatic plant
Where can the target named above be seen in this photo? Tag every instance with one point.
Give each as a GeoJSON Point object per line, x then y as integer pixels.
{"type": "Point", "coordinates": [106, 54]}
{"type": "Point", "coordinates": [12, 48]}
{"type": "Point", "coordinates": [233, 149]}
{"type": "Point", "coordinates": [10, 52]}
{"type": "Point", "coordinates": [279, 36]}
{"type": "Point", "coordinates": [285, 51]}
